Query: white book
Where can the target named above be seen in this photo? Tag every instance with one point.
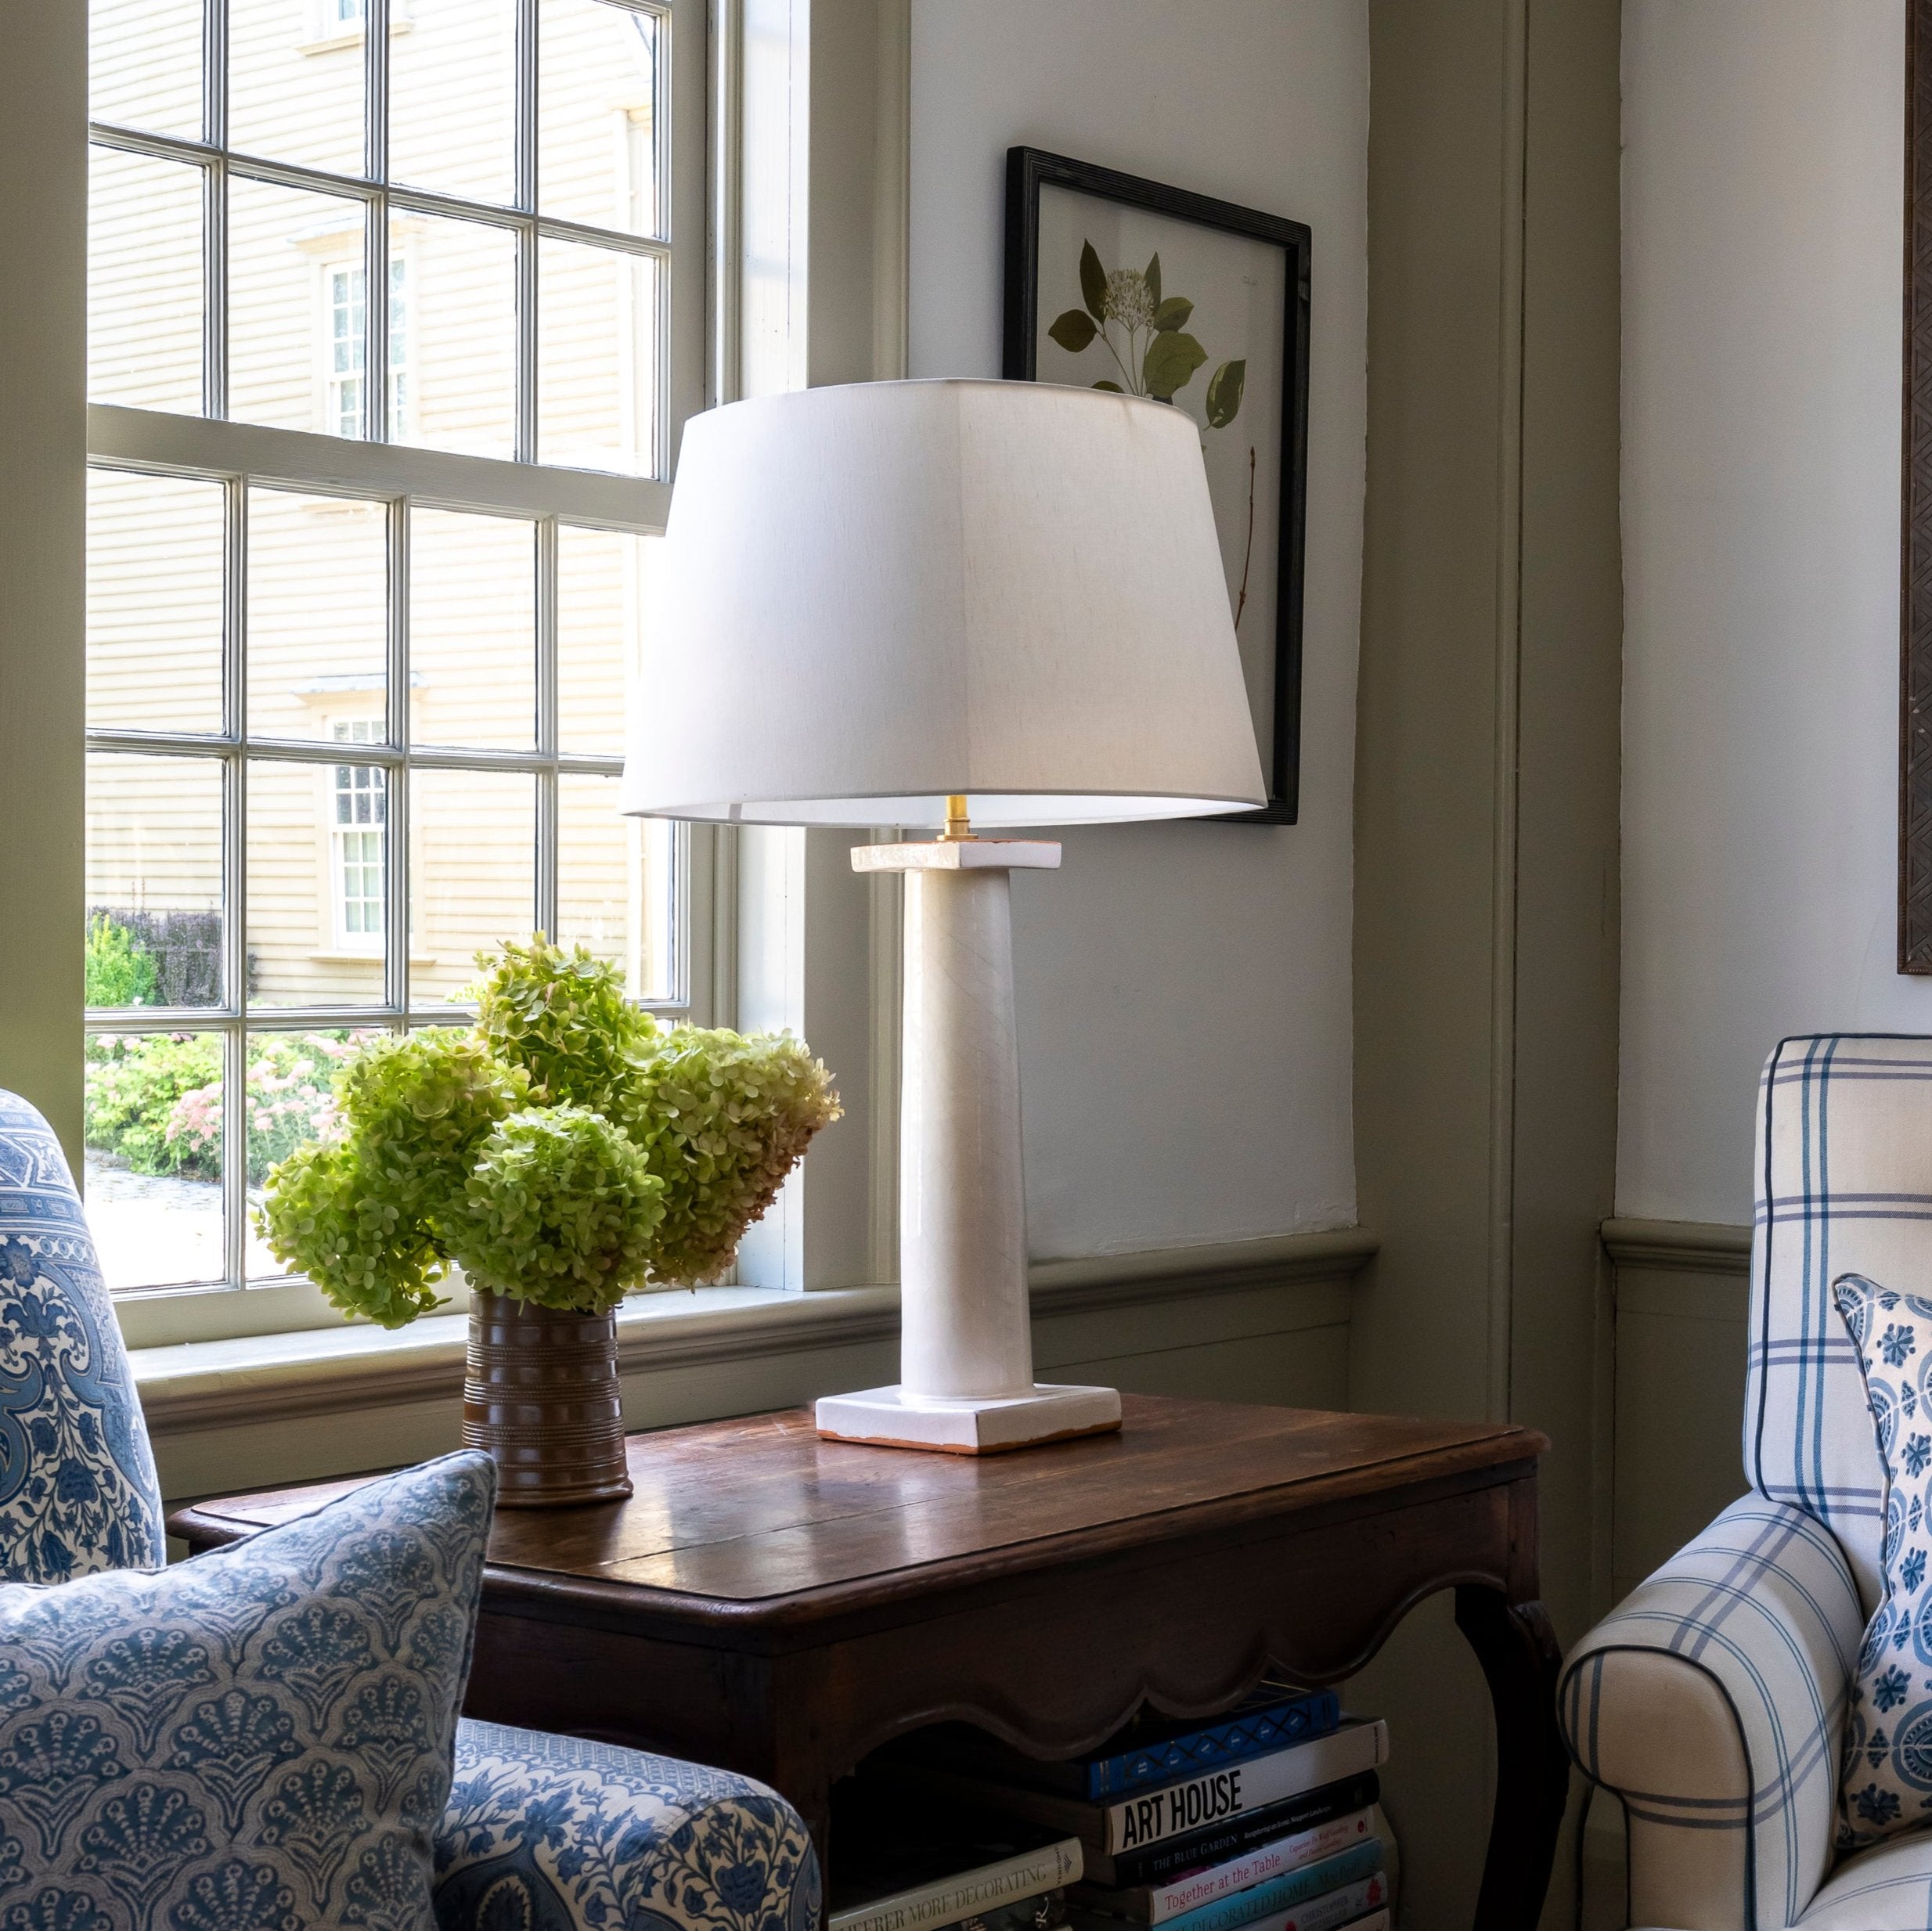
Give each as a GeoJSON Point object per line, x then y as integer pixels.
{"type": "Point", "coordinates": [1178, 1809]}
{"type": "Point", "coordinates": [966, 1894]}
{"type": "Point", "coordinates": [1193, 1806]}
{"type": "Point", "coordinates": [1175, 1896]}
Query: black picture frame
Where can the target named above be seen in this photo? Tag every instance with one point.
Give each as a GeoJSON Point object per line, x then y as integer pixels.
{"type": "Point", "coordinates": [1029, 169]}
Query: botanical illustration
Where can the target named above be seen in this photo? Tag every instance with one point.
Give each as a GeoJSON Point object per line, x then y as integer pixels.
{"type": "Point", "coordinates": [1146, 332]}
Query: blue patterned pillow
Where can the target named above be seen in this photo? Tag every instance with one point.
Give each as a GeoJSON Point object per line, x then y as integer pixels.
{"type": "Point", "coordinates": [258, 1740]}
{"type": "Point", "coordinates": [77, 1492]}
{"type": "Point", "coordinates": [1886, 1784]}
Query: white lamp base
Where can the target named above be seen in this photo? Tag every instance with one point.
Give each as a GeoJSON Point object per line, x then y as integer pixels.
{"type": "Point", "coordinates": [967, 1425]}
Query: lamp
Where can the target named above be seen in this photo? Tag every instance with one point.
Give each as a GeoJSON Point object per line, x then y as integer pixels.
{"type": "Point", "coordinates": [901, 604]}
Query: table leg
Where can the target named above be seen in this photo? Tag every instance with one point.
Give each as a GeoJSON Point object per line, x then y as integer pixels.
{"type": "Point", "coordinates": [1518, 1650]}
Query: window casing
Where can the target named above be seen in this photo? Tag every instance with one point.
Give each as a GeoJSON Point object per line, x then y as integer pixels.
{"type": "Point", "coordinates": [416, 580]}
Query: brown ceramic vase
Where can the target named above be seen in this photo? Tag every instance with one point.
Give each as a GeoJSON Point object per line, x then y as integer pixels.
{"type": "Point", "coordinates": [540, 1397]}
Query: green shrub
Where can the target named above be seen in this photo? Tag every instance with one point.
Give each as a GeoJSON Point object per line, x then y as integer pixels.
{"type": "Point", "coordinates": [154, 1100]}
{"type": "Point", "coordinates": [120, 970]}
{"type": "Point", "coordinates": [135, 1086]}
{"type": "Point", "coordinates": [567, 1151]}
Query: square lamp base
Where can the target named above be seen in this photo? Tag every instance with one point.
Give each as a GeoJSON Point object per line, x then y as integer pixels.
{"type": "Point", "coordinates": [890, 1418]}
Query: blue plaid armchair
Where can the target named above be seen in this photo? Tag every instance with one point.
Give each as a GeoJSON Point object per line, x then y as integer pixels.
{"type": "Point", "coordinates": [542, 1833]}
{"type": "Point", "coordinates": [1713, 1700]}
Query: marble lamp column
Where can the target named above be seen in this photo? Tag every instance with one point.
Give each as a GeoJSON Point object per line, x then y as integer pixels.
{"type": "Point", "coordinates": [899, 604]}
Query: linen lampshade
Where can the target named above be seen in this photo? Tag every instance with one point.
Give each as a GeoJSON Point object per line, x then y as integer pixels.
{"type": "Point", "coordinates": [869, 597]}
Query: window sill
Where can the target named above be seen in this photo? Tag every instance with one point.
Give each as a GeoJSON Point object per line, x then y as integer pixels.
{"type": "Point", "coordinates": [193, 1385]}
{"type": "Point", "coordinates": [201, 1384]}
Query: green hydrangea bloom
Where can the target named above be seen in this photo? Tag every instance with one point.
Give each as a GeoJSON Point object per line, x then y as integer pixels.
{"type": "Point", "coordinates": [559, 1210]}
{"type": "Point", "coordinates": [566, 1150]}
{"type": "Point", "coordinates": [330, 1215]}
{"type": "Point", "coordinates": [561, 1018]}
{"type": "Point", "coordinates": [417, 1107]}
{"type": "Point", "coordinates": [722, 1118]}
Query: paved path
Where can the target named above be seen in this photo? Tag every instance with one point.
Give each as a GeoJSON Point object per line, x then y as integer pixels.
{"type": "Point", "coordinates": [154, 1232]}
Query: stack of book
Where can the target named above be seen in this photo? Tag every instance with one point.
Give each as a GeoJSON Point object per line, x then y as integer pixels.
{"type": "Point", "coordinates": [1267, 1819]}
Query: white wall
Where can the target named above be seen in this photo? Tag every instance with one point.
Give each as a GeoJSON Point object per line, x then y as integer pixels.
{"type": "Point", "coordinates": [1184, 990]}
{"type": "Point", "coordinates": [1763, 210]}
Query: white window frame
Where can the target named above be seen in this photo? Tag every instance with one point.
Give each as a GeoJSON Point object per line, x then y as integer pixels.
{"type": "Point", "coordinates": [847, 107]}
{"type": "Point", "coordinates": [241, 455]}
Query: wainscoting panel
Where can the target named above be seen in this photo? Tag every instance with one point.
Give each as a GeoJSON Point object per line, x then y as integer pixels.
{"type": "Point", "coordinates": [1681, 1288]}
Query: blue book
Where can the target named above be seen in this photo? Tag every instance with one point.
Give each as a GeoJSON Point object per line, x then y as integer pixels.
{"type": "Point", "coordinates": [1148, 1751]}
{"type": "Point", "coordinates": [1248, 1731]}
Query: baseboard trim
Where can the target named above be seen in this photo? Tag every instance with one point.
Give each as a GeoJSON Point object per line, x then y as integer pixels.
{"type": "Point", "coordinates": [1679, 1246]}
{"type": "Point", "coordinates": [195, 1386]}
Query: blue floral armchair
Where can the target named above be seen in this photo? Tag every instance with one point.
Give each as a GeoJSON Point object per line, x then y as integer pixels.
{"type": "Point", "coordinates": [542, 1833]}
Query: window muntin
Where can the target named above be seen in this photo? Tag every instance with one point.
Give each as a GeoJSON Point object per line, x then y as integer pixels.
{"type": "Point", "coordinates": [299, 900]}
{"type": "Point", "coordinates": [293, 150]}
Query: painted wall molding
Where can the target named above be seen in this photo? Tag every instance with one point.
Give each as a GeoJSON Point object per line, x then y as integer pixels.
{"type": "Point", "coordinates": [341, 1371]}
{"type": "Point", "coordinates": [1678, 1246]}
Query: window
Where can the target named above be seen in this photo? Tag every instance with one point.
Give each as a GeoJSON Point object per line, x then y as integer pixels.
{"type": "Point", "coordinates": [344, 355]}
{"type": "Point", "coordinates": [390, 337]}
{"type": "Point", "coordinates": [358, 801]}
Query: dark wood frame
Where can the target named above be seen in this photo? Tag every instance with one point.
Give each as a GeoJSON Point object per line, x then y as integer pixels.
{"type": "Point", "coordinates": [1027, 170]}
{"type": "Point", "coordinates": [1914, 586]}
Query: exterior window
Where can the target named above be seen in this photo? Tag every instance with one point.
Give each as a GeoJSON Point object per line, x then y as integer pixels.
{"type": "Point", "coordinates": [395, 490]}
{"type": "Point", "coordinates": [358, 799]}
{"type": "Point", "coordinates": [345, 351]}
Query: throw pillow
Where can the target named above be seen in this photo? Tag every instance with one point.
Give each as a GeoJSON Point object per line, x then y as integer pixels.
{"type": "Point", "coordinates": [258, 1740]}
{"type": "Point", "coordinates": [1886, 1783]}
{"type": "Point", "coordinates": [77, 1492]}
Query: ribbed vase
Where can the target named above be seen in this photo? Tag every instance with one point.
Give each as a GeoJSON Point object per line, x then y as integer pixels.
{"type": "Point", "coordinates": [540, 1394]}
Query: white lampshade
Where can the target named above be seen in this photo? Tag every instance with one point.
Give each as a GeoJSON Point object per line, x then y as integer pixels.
{"type": "Point", "coordinates": [869, 597]}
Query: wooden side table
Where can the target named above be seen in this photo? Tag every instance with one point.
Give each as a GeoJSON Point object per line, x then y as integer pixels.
{"type": "Point", "coordinates": [780, 1605]}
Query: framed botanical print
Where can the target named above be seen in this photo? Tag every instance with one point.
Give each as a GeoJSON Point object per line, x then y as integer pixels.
{"type": "Point", "coordinates": [1114, 282]}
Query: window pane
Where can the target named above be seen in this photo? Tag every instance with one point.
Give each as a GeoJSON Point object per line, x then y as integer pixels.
{"type": "Point", "coordinates": [295, 82]}
{"type": "Point", "coordinates": [154, 880]}
{"type": "Point", "coordinates": [596, 359]}
{"type": "Point", "coordinates": [453, 355]}
{"type": "Point", "coordinates": [473, 852]}
{"type": "Point", "coordinates": [291, 1103]}
{"type": "Point", "coordinates": [144, 282]}
{"type": "Point", "coordinates": [154, 601]}
{"type": "Point", "coordinates": [154, 1157]}
{"type": "Point", "coordinates": [318, 875]}
{"type": "Point", "coordinates": [296, 357]}
{"type": "Point", "coordinates": [596, 93]}
{"type": "Point", "coordinates": [598, 575]}
{"type": "Point", "coordinates": [613, 882]}
{"type": "Point", "coordinates": [472, 630]}
{"type": "Point", "coordinates": [144, 65]}
{"type": "Point", "coordinates": [318, 615]}
{"type": "Point", "coordinates": [463, 52]}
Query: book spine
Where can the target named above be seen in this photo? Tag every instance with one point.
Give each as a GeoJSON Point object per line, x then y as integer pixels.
{"type": "Point", "coordinates": [1333, 1907]}
{"type": "Point", "coordinates": [1291, 1887]}
{"type": "Point", "coordinates": [1161, 1904]}
{"type": "Point", "coordinates": [1281, 1723]}
{"type": "Point", "coordinates": [1213, 1846]}
{"type": "Point", "coordinates": [1176, 1810]}
{"type": "Point", "coordinates": [1050, 1868]}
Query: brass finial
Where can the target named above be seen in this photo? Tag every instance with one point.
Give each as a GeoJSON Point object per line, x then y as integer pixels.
{"type": "Point", "coordinates": [958, 830]}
